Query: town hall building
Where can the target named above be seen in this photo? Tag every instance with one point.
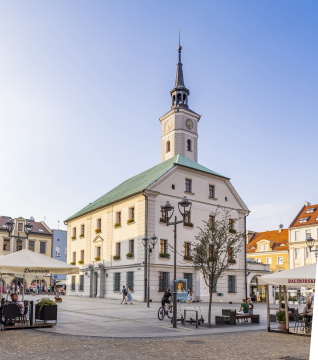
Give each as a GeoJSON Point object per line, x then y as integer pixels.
{"type": "Point", "coordinates": [105, 238]}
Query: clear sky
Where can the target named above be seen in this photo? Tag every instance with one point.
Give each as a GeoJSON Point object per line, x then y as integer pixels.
{"type": "Point", "coordinates": [83, 84]}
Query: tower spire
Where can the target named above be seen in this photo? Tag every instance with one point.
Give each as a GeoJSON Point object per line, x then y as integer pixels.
{"type": "Point", "coordinates": [179, 93]}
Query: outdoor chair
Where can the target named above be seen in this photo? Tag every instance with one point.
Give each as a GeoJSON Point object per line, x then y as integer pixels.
{"type": "Point", "coordinates": [11, 312]}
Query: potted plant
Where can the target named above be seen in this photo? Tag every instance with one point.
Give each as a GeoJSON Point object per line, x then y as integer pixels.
{"type": "Point", "coordinates": [73, 263]}
{"type": "Point", "coordinates": [46, 309]}
{"type": "Point", "coordinates": [97, 231]}
{"type": "Point", "coordinates": [187, 257]}
{"type": "Point", "coordinates": [281, 319]}
{"type": "Point", "coordinates": [164, 255]}
{"type": "Point", "coordinates": [130, 255]}
{"type": "Point", "coordinates": [117, 225]}
{"type": "Point", "coordinates": [232, 261]}
{"type": "Point", "coordinates": [188, 224]}
{"type": "Point", "coordinates": [97, 258]}
{"type": "Point", "coordinates": [130, 221]}
{"type": "Point", "coordinates": [81, 235]}
{"type": "Point", "coordinates": [81, 262]}
{"type": "Point", "coordinates": [116, 257]}
{"type": "Point", "coordinates": [162, 220]}
{"type": "Point", "coordinates": [73, 237]}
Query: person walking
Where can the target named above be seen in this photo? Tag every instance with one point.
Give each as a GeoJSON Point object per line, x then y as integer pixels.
{"type": "Point", "coordinates": [124, 293]}
{"type": "Point", "coordinates": [189, 300]}
{"type": "Point", "coordinates": [129, 296]}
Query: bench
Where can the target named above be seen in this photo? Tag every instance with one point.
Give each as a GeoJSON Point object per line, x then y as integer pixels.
{"type": "Point", "coordinates": [230, 314]}
{"type": "Point", "coordinates": [254, 318]}
{"type": "Point", "coordinates": [222, 320]}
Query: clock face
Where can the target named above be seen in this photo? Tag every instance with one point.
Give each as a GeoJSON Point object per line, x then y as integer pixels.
{"type": "Point", "coordinates": [168, 126]}
{"type": "Point", "coordinates": [189, 124]}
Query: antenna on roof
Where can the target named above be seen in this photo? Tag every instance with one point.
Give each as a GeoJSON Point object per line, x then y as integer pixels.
{"type": "Point", "coordinates": [179, 37]}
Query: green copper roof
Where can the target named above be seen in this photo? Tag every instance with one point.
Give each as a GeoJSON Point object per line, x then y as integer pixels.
{"type": "Point", "coordinates": [141, 182]}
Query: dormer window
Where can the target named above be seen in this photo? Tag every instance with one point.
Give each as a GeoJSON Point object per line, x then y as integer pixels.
{"type": "Point", "coordinates": [303, 220]}
{"type": "Point", "coordinates": [20, 226]}
{"type": "Point", "coordinates": [311, 210]}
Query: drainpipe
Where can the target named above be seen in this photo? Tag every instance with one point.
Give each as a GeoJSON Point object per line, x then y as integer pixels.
{"type": "Point", "coordinates": [245, 265]}
{"type": "Point", "coordinates": [145, 261]}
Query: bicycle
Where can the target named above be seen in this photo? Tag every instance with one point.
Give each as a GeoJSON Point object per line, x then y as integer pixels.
{"type": "Point", "coordinates": [165, 311]}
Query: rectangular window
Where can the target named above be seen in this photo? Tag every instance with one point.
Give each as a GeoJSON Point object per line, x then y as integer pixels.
{"type": "Point", "coordinates": [132, 246]}
{"type": "Point", "coordinates": [82, 255]}
{"type": "Point", "coordinates": [280, 260]}
{"type": "Point", "coordinates": [188, 185]}
{"type": "Point", "coordinates": [258, 261]}
{"type": "Point", "coordinates": [303, 220]}
{"type": "Point", "coordinates": [74, 256]}
{"type": "Point", "coordinates": [130, 280]}
{"type": "Point", "coordinates": [98, 224]}
{"type": "Point", "coordinates": [163, 246]}
{"type": "Point", "coordinates": [132, 214]}
{"type": "Point", "coordinates": [265, 247]}
{"type": "Point", "coordinates": [163, 281]}
{"type": "Point", "coordinates": [189, 277]}
{"type": "Point", "coordinates": [311, 210]}
{"type": "Point", "coordinates": [98, 252]}
{"type": "Point", "coordinates": [118, 249]}
{"type": "Point", "coordinates": [20, 227]}
{"type": "Point", "coordinates": [6, 244]}
{"type": "Point", "coordinates": [74, 232]}
{"type": "Point", "coordinates": [81, 283]}
{"type": "Point", "coordinates": [73, 283]}
{"type": "Point", "coordinates": [297, 235]}
{"type": "Point", "coordinates": [214, 284]}
{"type": "Point", "coordinates": [260, 247]}
{"type": "Point", "coordinates": [82, 230]}
{"type": "Point", "coordinates": [211, 191]}
{"type": "Point", "coordinates": [116, 282]}
{"type": "Point", "coordinates": [231, 225]}
{"type": "Point", "coordinates": [187, 217]}
{"type": "Point", "coordinates": [211, 220]}
{"type": "Point", "coordinates": [308, 253]}
{"type": "Point", "coordinates": [297, 253]}
{"type": "Point", "coordinates": [308, 234]}
{"type": "Point", "coordinates": [118, 218]}
{"type": "Point", "coordinates": [42, 247]}
{"type": "Point", "coordinates": [163, 216]}
{"type": "Point", "coordinates": [269, 261]}
{"type": "Point", "coordinates": [187, 246]}
{"type": "Point", "coordinates": [31, 245]}
{"type": "Point", "coordinates": [231, 283]}
{"type": "Point", "coordinates": [57, 251]}
{"type": "Point", "coordinates": [230, 254]}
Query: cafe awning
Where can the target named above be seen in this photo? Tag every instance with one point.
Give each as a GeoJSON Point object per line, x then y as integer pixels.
{"type": "Point", "coordinates": [27, 262]}
{"type": "Point", "coordinates": [303, 276]}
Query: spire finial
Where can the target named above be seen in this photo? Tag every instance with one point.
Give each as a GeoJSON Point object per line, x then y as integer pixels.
{"type": "Point", "coordinates": [179, 49]}
{"type": "Point", "coordinates": [179, 37]}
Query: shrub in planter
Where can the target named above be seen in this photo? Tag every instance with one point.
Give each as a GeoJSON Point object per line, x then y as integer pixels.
{"type": "Point", "coordinates": [117, 225]}
{"type": "Point", "coordinates": [46, 309]}
{"type": "Point", "coordinates": [81, 262]}
{"type": "Point", "coordinates": [116, 257]}
{"type": "Point", "coordinates": [188, 224]}
{"type": "Point", "coordinates": [281, 319]}
{"type": "Point", "coordinates": [82, 235]}
{"type": "Point", "coordinates": [164, 255]}
{"type": "Point", "coordinates": [189, 257]}
{"type": "Point", "coordinates": [97, 258]}
{"type": "Point", "coordinates": [130, 255]}
{"type": "Point", "coordinates": [73, 263]}
{"type": "Point", "coordinates": [232, 261]}
{"type": "Point", "coordinates": [97, 231]}
{"type": "Point", "coordinates": [73, 237]}
{"type": "Point", "coordinates": [163, 220]}
{"type": "Point", "coordinates": [130, 221]}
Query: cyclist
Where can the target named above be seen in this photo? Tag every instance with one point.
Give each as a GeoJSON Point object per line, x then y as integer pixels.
{"type": "Point", "coordinates": [165, 300]}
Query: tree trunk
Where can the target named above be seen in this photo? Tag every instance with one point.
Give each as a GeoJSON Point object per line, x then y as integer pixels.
{"type": "Point", "coordinates": [210, 307]}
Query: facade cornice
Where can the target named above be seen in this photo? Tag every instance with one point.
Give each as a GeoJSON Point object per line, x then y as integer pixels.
{"type": "Point", "coordinates": [187, 112]}
{"type": "Point", "coordinates": [273, 252]}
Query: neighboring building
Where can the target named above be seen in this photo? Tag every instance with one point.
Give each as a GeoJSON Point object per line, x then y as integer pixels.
{"type": "Point", "coordinates": [105, 237]}
{"type": "Point", "coordinates": [305, 224]}
{"type": "Point", "coordinates": [269, 247]}
{"type": "Point", "coordinates": [254, 270]}
{"type": "Point", "coordinates": [59, 249]}
{"type": "Point", "coordinates": [40, 241]}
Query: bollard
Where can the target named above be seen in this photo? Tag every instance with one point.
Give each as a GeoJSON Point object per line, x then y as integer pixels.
{"type": "Point", "coordinates": [185, 313]}
{"type": "Point", "coordinates": [196, 319]}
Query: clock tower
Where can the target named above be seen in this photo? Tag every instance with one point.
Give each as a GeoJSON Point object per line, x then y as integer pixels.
{"type": "Point", "coordinates": [180, 124]}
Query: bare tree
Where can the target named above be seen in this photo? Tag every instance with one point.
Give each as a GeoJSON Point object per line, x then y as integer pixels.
{"type": "Point", "coordinates": [216, 248]}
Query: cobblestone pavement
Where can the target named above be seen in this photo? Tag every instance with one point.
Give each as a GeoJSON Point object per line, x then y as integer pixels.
{"type": "Point", "coordinates": [36, 345]}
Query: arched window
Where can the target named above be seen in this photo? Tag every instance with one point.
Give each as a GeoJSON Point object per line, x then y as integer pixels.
{"type": "Point", "coordinates": [189, 145]}
{"type": "Point", "coordinates": [174, 100]}
{"type": "Point", "coordinates": [184, 98]}
{"type": "Point", "coordinates": [179, 98]}
{"type": "Point", "coordinates": [168, 146]}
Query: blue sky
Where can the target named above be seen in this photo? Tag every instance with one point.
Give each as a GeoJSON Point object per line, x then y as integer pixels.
{"type": "Point", "coordinates": [83, 84]}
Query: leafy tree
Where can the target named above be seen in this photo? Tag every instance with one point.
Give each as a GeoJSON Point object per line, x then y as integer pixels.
{"type": "Point", "coordinates": [216, 248]}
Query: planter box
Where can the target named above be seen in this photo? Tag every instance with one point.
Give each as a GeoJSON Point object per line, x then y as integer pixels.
{"type": "Point", "coordinates": [48, 312]}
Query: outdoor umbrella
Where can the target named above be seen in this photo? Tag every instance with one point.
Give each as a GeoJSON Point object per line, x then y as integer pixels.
{"type": "Point", "coordinates": [27, 263]}
{"type": "Point", "coordinates": [303, 276]}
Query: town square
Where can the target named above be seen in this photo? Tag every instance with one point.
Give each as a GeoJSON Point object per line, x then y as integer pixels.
{"type": "Point", "coordinates": [158, 189]}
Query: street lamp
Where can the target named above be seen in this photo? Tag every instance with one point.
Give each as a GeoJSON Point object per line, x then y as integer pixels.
{"type": "Point", "coordinates": [149, 245]}
{"type": "Point", "coordinates": [310, 242]}
{"type": "Point", "coordinates": [27, 229]}
{"type": "Point", "coordinates": [182, 205]}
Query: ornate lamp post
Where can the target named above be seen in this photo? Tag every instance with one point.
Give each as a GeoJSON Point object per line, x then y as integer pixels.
{"type": "Point", "coordinates": [149, 245]}
{"type": "Point", "coordinates": [182, 205]}
{"type": "Point", "coordinates": [27, 229]}
{"type": "Point", "coordinates": [310, 242]}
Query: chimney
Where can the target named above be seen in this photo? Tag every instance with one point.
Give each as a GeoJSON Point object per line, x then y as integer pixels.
{"type": "Point", "coordinates": [249, 235]}
{"type": "Point", "coordinates": [307, 203]}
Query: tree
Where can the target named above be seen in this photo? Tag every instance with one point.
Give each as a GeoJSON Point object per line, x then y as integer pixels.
{"type": "Point", "coordinates": [216, 248]}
